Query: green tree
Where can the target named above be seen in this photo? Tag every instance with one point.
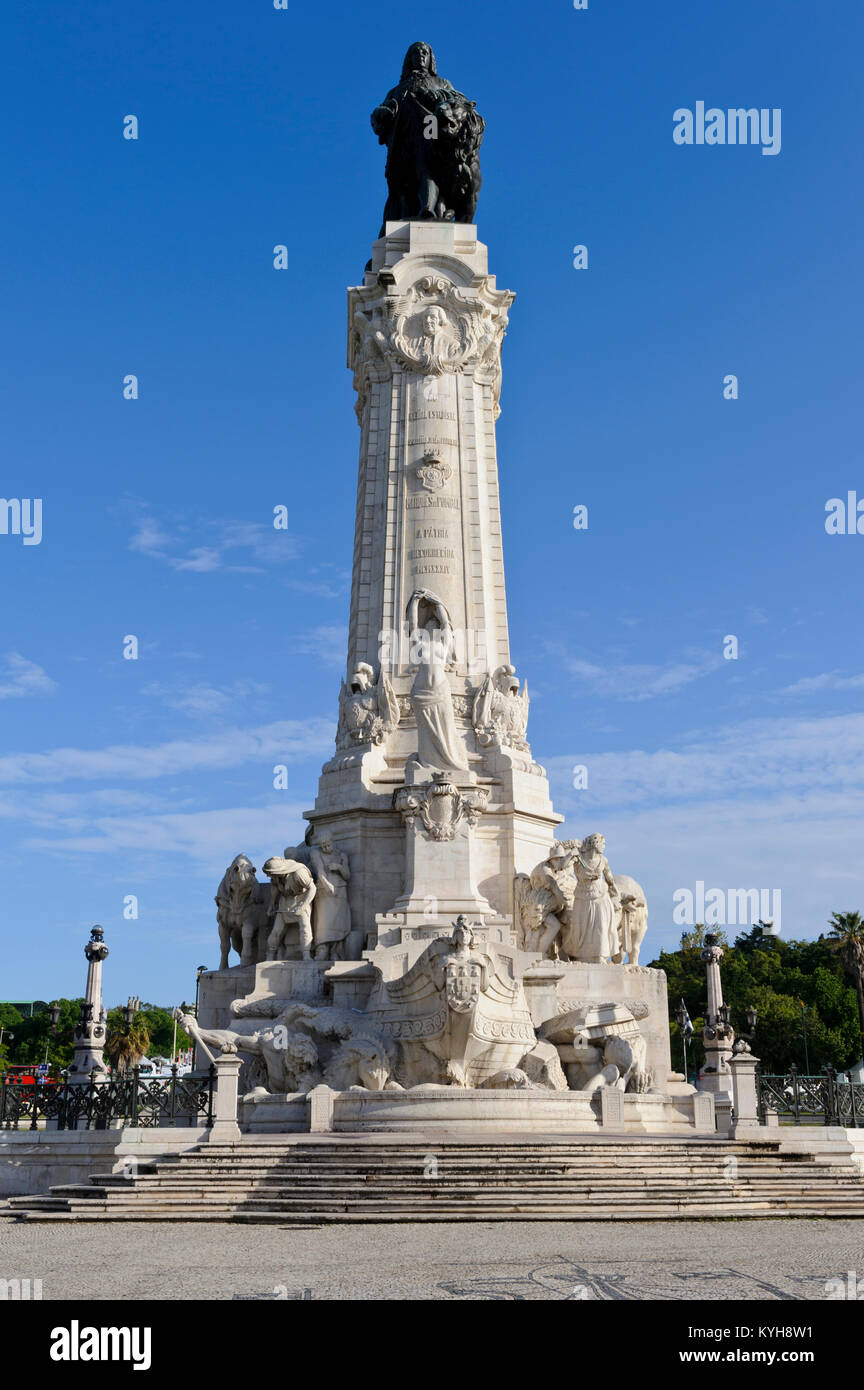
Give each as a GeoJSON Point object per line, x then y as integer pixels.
{"type": "Point", "coordinates": [792, 984]}
{"type": "Point", "coordinates": [161, 1024]}
{"type": "Point", "coordinates": [10, 1022]}
{"type": "Point", "coordinates": [33, 1034]}
{"type": "Point", "coordinates": [124, 1047]}
{"type": "Point", "coordinates": [847, 939]}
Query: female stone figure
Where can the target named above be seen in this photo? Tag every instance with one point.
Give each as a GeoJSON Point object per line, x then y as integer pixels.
{"type": "Point", "coordinates": [439, 747]}
{"type": "Point", "coordinates": [589, 931]}
{"type": "Point", "coordinates": [331, 922]}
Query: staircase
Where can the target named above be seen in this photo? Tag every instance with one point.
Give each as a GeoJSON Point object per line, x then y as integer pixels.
{"type": "Point", "coordinates": [298, 1181]}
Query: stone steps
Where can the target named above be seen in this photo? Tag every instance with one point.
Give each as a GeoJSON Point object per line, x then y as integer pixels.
{"type": "Point", "coordinates": [361, 1182]}
{"type": "Point", "coordinates": [333, 1180]}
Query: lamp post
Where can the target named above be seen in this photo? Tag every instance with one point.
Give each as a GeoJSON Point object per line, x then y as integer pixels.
{"type": "Point", "coordinates": [686, 1028]}
{"type": "Point", "coordinates": [202, 970]}
{"type": "Point", "coordinates": [90, 1034]}
{"type": "Point", "coordinates": [743, 1040]}
{"type": "Point", "coordinates": [130, 1009]}
{"type": "Point", "coordinates": [804, 1027]}
{"type": "Point", "coordinates": [717, 1035]}
{"type": "Point", "coordinates": [54, 1013]}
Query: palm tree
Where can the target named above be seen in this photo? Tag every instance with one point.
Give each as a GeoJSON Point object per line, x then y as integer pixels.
{"type": "Point", "coordinates": [124, 1047]}
{"type": "Point", "coordinates": [847, 937]}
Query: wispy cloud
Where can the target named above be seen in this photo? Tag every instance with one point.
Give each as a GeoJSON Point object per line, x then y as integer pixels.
{"type": "Point", "coordinates": [209, 838]}
{"type": "Point", "coordinates": [20, 677]}
{"type": "Point", "coordinates": [627, 680]}
{"type": "Point", "coordinates": [767, 803]}
{"type": "Point", "coordinates": [232, 545]}
{"type": "Point", "coordinates": [231, 747]}
{"type": "Point", "coordinates": [762, 756]}
{"type": "Point", "coordinates": [829, 680]}
{"type": "Point", "coordinates": [327, 644]}
{"type": "Point", "coordinates": [202, 701]}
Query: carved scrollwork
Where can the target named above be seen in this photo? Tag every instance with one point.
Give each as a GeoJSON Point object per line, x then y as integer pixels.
{"type": "Point", "coordinates": [432, 327]}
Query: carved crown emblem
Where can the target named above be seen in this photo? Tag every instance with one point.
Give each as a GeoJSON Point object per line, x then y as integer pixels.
{"type": "Point", "coordinates": [433, 472]}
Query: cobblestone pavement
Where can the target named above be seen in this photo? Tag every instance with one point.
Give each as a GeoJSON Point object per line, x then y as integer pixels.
{"type": "Point", "coordinates": [702, 1260]}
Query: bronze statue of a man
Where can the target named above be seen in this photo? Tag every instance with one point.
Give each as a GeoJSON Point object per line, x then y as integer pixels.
{"type": "Point", "coordinates": [433, 136]}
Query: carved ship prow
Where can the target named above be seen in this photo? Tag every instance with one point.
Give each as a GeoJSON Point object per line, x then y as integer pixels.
{"type": "Point", "coordinates": [457, 1005]}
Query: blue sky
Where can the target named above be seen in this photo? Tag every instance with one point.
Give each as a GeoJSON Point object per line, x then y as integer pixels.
{"type": "Point", "coordinates": [706, 516]}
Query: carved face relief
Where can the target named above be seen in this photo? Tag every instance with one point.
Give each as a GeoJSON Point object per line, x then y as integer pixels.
{"type": "Point", "coordinates": [430, 338]}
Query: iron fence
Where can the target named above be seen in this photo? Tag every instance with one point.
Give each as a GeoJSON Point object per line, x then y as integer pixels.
{"type": "Point", "coordinates": [142, 1102]}
{"type": "Point", "coordinates": [823, 1099]}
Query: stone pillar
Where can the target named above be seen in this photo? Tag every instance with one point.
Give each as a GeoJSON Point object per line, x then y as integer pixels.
{"type": "Point", "coordinates": [225, 1127]}
{"type": "Point", "coordinates": [89, 1034]}
{"type": "Point", "coordinates": [717, 1036]}
{"type": "Point", "coordinates": [703, 1112]}
{"type": "Point", "coordinates": [745, 1095]}
{"type": "Point", "coordinates": [425, 330]}
{"type": "Point", "coordinates": [611, 1107]}
{"type": "Point", "coordinates": [321, 1101]}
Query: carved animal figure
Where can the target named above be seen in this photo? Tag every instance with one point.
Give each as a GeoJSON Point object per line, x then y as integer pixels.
{"type": "Point", "coordinates": [362, 1063]}
{"type": "Point", "coordinates": [351, 1051]}
{"type": "Point", "coordinates": [454, 157]}
{"type": "Point", "coordinates": [629, 1055]}
{"type": "Point", "coordinates": [631, 922]}
{"type": "Point", "coordinates": [241, 912]}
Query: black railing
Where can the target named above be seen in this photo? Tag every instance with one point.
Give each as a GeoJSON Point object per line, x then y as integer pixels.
{"type": "Point", "coordinates": [142, 1102]}
{"type": "Point", "coordinates": [823, 1099]}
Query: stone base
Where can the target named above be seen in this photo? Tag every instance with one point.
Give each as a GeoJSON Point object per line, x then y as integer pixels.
{"type": "Point", "coordinates": [268, 1114]}
{"type": "Point", "coordinates": [451, 1109]}
{"type": "Point", "coordinates": [33, 1161]}
{"type": "Point", "coordinates": [280, 979]}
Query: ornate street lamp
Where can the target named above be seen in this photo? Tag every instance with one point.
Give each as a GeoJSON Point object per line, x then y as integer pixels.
{"type": "Point", "coordinates": [130, 1009]}
{"type": "Point", "coordinates": [743, 1040]}
{"type": "Point", "coordinates": [686, 1027]}
{"type": "Point", "coordinates": [54, 1015]}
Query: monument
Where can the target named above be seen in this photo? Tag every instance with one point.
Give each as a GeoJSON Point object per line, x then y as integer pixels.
{"type": "Point", "coordinates": [431, 938]}
{"type": "Point", "coordinates": [89, 1035]}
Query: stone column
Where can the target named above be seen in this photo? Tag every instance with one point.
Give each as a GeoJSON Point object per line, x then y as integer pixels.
{"type": "Point", "coordinates": [425, 330]}
{"type": "Point", "coordinates": [717, 1036]}
{"type": "Point", "coordinates": [225, 1127]}
{"type": "Point", "coordinates": [89, 1035]}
